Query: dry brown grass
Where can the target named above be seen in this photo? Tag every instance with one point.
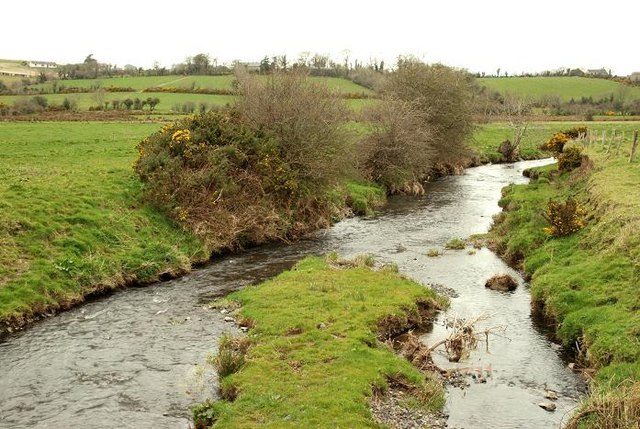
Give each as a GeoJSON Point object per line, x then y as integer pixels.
{"type": "Point", "coordinates": [617, 409]}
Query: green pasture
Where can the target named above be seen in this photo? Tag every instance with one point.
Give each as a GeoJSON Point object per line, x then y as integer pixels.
{"type": "Point", "coordinates": [167, 100]}
{"type": "Point", "coordinates": [488, 137]}
{"type": "Point", "coordinates": [72, 217]}
{"type": "Point", "coordinates": [564, 87]}
{"type": "Point", "coordinates": [140, 83]}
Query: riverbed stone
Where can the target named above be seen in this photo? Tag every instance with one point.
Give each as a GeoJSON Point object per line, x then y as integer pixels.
{"type": "Point", "coordinates": [503, 282]}
{"type": "Point", "coordinates": [547, 405]}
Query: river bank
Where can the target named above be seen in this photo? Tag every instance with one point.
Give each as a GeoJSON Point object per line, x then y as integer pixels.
{"type": "Point", "coordinates": [74, 225]}
{"type": "Point", "coordinates": [157, 335]}
{"type": "Point", "coordinates": [585, 284]}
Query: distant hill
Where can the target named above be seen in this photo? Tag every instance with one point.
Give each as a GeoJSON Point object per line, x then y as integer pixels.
{"type": "Point", "coordinates": [564, 87]}
{"type": "Point", "coordinates": [16, 68]}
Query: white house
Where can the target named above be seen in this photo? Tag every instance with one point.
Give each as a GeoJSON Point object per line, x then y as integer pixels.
{"type": "Point", "coordinates": [43, 64]}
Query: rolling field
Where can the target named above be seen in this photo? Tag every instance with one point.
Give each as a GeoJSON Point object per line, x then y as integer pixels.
{"type": "Point", "coordinates": [564, 87]}
{"type": "Point", "coordinates": [173, 81]}
{"type": "Point", "coordinates": [167, 100]}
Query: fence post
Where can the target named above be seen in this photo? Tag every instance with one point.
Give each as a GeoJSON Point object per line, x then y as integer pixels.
{"type": "Point", "coordinates": [613, 138]}
{"type": "Point", "coordinates": [620, 143]}
{"type": "Point", "coordinates": [634, 146]}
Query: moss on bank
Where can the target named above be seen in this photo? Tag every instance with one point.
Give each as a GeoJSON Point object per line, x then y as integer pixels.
{"type": "Point", "coordinates": [585, 283]}
{"type": "Point", "coordinates": [315, 359]}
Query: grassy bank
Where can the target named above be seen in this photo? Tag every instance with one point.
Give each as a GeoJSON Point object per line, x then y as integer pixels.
{"type": "Point", "coordinates": [314, 359]}
{"type": "Point", "coordinates": [586, 283]}
{"type": "Point", "coordinates": [72, 221]}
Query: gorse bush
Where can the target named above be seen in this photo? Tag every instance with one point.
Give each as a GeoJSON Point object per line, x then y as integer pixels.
{"type": "Point", "coordinates": [258, 172]}
{"type": "Point", "coordinates": [211, 173]}
{"type": "Point", "coordinates": [558, 140]}
{"type": "Point", "coordinates": [565, 217]}
{"type": "Point", "coordinates": [570, 158]}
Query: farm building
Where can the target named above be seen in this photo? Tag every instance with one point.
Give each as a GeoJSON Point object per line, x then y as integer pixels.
{"type": "Point", "coordinates": [597, 72]}
{"type": "Point", "coordinates": [43, 64]}
{"type": "Point", "coordinates": [635, 77]}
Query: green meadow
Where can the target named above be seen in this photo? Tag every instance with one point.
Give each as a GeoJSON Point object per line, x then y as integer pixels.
{"type": "Point", "coordinates": [140, 83]}
{"type": "Point", "coordinates": [488, 137]}
{"type": "Point", "coordinates": [564, 87]}
{"type": "Point", "coordinates": [72, 217]}
{"type": "Point", "coordinates": [167, 100]}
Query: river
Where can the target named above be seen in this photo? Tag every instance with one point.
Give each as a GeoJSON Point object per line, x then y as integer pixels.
{"type": "Point", "coordinates": [136, 358]}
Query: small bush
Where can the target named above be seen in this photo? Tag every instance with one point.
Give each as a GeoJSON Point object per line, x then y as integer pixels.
{"type": "Point", "coordinates": [456, 244]}
{"type": "Point", "coordinates": [570, 158]}
{"type": "Point", "coordinates": [565, 217]}
{"type": "Point", "coordinates": [432, 253]}
{"type": "Point", "coordinates": [558, 140]}
{"type": "Point", "coordinates": [510, 152]}
{"type": "Point", "coordinates": [231, 355]}
{"type": "Point", "coordinates": [204, 415]}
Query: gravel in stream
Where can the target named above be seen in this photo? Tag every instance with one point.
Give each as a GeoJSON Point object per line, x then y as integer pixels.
{"type": "Point", "coordinates": [391, 410]}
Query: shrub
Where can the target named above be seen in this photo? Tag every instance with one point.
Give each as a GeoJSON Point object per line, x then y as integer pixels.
{"type": "Point", "coordinates": [565, 217]}
{"type": "Point", "coordinates": [307, 121]}
{"type": "Point", "coordinates": [456, 244]}
{"type": "Point", "coordinates": [204, 415]}
{"type": "Point", "coordinates": [570, 158]}
{"type": "Point", "coordinates": [216, 177]}
{"type": "Point", "coordinates": [398, 153]}
{"type": "Point", "coordinates": [558, 140]}
{"type": "Point", "coordinates": [444, 95]}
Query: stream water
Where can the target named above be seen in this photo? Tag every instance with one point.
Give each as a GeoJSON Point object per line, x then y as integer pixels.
{"type": "Point", "coordinates": [136, 358]}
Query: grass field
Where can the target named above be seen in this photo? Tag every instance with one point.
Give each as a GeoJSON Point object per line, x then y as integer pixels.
{"type": "Point", "coordinates": [167, 100]}
{"type": "Point", "coordinates": [587, 282]}
{"type": "Point", "coordinates": [488, 137]}
{"type": "Point", "coordinates": [564, 87]}
{"type": "Point", "coordinates": [72, 219]}
{"type": "Point", "coordinates": [315, 359]}
{"type": "Point", "coordinates": [209, 82]}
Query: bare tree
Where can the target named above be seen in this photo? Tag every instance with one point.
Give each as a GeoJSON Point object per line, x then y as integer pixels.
{"type": "Point", "coordinates": [515, 111]}
{"type": "Point", "coordinates": [398, 152]}
{"type": "Point", "coordinates": [444, 94]}
{"type": "Point", "coordinates": [306, 119]}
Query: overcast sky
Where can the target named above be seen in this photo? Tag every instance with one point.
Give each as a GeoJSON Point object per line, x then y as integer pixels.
{"type": "Point", "coordinates": [480, 36]}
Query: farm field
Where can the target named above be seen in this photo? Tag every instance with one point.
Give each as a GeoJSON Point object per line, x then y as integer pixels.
{"type": "Point", "coordinates": [488, 137]}
{"type": "Point", "coordinates": [167, 100]}
{"type": "Point", "coordinates": [173, 81]}
{"type": "Point", "coordinates": [564, 87]}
